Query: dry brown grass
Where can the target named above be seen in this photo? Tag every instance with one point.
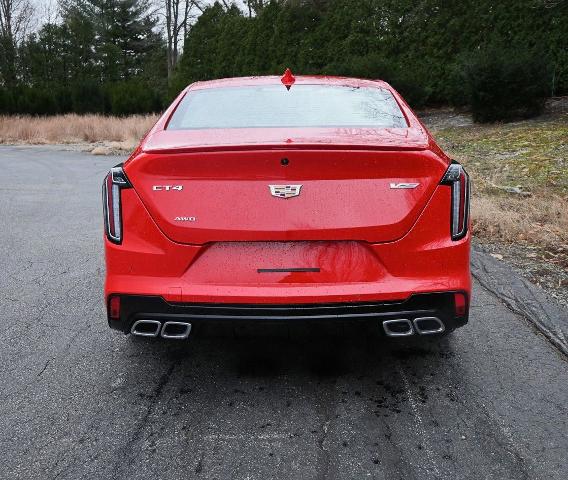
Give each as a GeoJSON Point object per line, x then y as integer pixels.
{"type": "Point", "coordinates": [65, 129]}
{"type": "Point", "coordinates": [538, 221]}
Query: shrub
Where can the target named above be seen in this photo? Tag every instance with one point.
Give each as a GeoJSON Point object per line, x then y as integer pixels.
{"type": "Point", "coordinates": [88, 97]}
{"type": "Point", "coordinates": [36, 101]}
{"type": "Point", "coordinates": [411, 86]}
{"type": "Point", "coordinates": [6, 101]}
{"type": "Point", "coordinates": [128, 98]}
{"type": "Point", "coordinates": [63, 99]}
{"type": "Point", "coordinates": [505, 84]}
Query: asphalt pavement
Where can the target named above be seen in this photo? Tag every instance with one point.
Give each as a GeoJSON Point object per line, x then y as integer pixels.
{"type": "Point", "coordinates": [79, 401]}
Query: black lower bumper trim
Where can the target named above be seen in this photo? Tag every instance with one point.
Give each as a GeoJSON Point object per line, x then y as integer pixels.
{"type": "Point", "coordinates": [135, 307]}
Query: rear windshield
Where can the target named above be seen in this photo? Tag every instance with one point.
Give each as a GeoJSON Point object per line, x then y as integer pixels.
{"type": "Point", "coordinates": [274, 106]}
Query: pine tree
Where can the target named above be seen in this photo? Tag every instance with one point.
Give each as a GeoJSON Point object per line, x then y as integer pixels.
{"type": "Point", "coordinates": [123, 38]}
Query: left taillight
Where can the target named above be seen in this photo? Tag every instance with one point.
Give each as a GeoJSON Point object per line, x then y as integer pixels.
{"type": "Point", "coordinates": [458, 179]}
{"type": "Point", "coordinates": [113, 185]}
{"type": "Point", "coordinates": [114, 307]}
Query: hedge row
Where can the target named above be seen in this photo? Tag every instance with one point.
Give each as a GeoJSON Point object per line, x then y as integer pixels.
{"type": "Point", "coordinates": [124, 98]}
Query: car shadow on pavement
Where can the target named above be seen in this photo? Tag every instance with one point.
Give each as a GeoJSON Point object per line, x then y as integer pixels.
{"type": "Point", "coordinates": [318, 357]}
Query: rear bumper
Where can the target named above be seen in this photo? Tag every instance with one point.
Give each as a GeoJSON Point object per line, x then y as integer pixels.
{"type": "Point", "coordinates": [206, 316]}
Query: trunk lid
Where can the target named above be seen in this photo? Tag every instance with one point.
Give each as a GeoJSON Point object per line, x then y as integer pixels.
{"type": "Point", "coordinates": [198, 197]}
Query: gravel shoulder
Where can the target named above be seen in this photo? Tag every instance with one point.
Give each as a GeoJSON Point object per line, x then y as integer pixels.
{"type": "Point", "coordinates": [544, 268]}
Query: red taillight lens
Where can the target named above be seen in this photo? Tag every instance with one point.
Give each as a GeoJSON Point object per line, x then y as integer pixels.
{"type": "Point", "coordinates": [114, 308]}
{"type": "Point", "coordinates": [460, 304]}
{"type": "Point", "coordinates": [458, 179]}
{"type": "Point", "coordinates": [114, 182]}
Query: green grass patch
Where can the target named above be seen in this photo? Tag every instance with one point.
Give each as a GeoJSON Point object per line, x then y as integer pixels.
{"type": "Point", "coordinates": [532, 153]}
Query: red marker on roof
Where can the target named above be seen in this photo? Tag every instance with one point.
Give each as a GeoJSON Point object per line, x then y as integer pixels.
{"type": "Point", "coordinates": [288, 79]}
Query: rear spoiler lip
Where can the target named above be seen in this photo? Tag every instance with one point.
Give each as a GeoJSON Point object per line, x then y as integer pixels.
{"type": "Point", "coordinates": [284, 146]}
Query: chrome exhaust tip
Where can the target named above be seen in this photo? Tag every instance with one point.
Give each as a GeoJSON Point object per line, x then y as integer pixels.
{"type": "Point", "coordinates": [176, 330]}
{"type": "Point", "coordinates": [400, 327]}
{"type": "Point", "coordinates": [429, 325]}
{"type": "Point", "coordinates": [146, 328]}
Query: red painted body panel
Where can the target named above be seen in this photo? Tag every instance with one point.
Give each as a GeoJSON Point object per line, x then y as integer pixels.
{"type": "Point", "coordinates": [341, 197]}
{"type": "Point", "coordinates": [369, 242]}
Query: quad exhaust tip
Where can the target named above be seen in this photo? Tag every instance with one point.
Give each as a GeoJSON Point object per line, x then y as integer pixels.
{"type": "Point", "coordinates": [403, 327]}
{"type": "Point", "coordinates": [154, 328]}
{"type": "Point", "coordinates": [428, 325]}
{"type": "Point", "coordinates": [176, 330]}
{"type": "Point", "coordinates": [146, 328]}
{"type": "Point", "coordinates": [400, 327]}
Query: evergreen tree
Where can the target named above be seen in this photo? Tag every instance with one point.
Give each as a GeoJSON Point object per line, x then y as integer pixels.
{"type": "Point", "coordinates": [121, 34]}
{"type": "Point", "coordinates": [103, 51]}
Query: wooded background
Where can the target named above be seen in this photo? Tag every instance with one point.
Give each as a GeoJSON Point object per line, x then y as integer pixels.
{"type": "Point", "coordinates": [133, 56]}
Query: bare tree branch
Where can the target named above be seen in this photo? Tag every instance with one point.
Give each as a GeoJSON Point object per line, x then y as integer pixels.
{"type": "Point", "coordinates": [15, 19]}
{"type": "Point", "coordinates": [177, 15]}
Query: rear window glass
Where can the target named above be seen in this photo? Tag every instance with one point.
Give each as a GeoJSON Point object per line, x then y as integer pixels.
{"type": "Point", "coordinates": [274, 106]}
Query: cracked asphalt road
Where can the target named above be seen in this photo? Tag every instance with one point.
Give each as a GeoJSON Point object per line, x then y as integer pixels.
{"type": "Point", "coordinates": [81, 401]}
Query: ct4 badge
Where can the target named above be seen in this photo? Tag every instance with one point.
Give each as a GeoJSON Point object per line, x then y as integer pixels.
{"type": "Point", "coordinates": [167, 188]}
{"type": "Point", "coordinates": [285, 191]}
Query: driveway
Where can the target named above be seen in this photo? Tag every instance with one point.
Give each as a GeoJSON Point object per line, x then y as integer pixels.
{"type": "Point", "coordinates": [81, 401]}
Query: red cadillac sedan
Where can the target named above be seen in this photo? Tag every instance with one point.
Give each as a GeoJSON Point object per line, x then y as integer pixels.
{"type": "Point", "coordinates": [319, 200]}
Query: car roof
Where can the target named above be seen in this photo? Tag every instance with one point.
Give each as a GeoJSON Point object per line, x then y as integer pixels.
{"type": "Point", "coordinates": [299, 80]}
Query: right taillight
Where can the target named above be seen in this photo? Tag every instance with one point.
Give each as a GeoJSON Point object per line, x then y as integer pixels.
{"type": "Point", "coordinates": [457, 178]}
{"type": "Point", "coordinates": [114, 182]}
{"type": "Point", "coordinates": [460, 304]}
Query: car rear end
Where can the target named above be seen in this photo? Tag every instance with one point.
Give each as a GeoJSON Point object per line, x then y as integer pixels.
{"type": "Point", "coordinates": [248, 203]}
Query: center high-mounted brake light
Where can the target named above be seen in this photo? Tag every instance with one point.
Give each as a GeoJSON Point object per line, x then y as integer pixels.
{"type": "Point", "coordinates": [113, 184]}
{"type": "Point", "coordinates": [458, 179]}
